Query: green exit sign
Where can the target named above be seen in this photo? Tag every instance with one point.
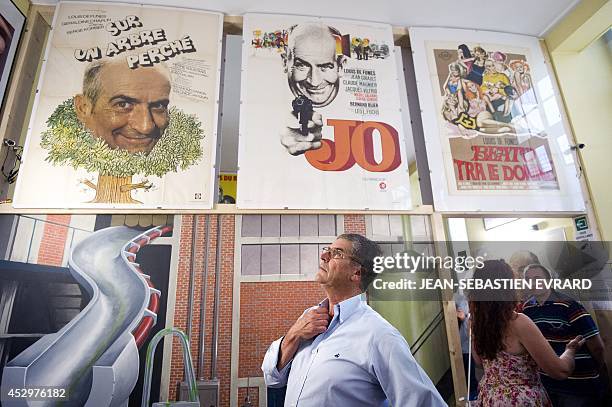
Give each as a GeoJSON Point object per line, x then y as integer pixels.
{"type": "Point", "coordinates": [581, 223]}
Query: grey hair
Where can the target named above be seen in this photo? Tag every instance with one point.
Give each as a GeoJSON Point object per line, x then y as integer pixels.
{"type": "Point", "coordinates": [91, 80]}
{"type": "Point", "coordinates": [92, 85]}
{"type": "Point", "coordinates": [522, 258]}
{"type": "Point", "coordinates": [364, 250]}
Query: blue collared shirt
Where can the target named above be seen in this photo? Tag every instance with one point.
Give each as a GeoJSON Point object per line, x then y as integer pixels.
{"type": "Point", "coordinates": [360, 360]}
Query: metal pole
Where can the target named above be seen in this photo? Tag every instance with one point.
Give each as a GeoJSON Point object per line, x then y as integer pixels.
{"type": "Point", "coordinates": [188, 365]}
{"type": "Point", "coordinates": [201, 356]}
{"type": "Point", "coordinates": [27, 260]}
{"type": "Point", "coordinates": [215, 338]}
{"type": "Point", "coordinates": [13, 236]}
{"type": "Point", "coordinates": [194, 226]}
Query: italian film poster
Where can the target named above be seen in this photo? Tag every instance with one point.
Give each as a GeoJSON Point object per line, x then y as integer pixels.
{"type": "Point", "coordinates": [320, 119]}
{"type": "Point", "coordinates": [11, 24]}
{"type": "Point", "coordinates": [126, 111]}
{"type": "Point", "coordinates": [492, 121]}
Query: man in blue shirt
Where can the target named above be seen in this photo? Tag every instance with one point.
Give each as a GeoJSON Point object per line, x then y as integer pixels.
{"type": "Point", "coordinates": [341, 352]}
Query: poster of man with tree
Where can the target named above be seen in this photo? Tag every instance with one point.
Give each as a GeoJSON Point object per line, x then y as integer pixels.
{"type": "Point", "coordinates": [126, 110]}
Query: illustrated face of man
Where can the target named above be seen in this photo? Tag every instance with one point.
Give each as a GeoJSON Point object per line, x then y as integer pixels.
{"type": "Point", "coordinates": [336, 272]}
{"type": "Point", "coordinates": [312, 67]}
{"type": "Point", "coordinates": [131, 112]}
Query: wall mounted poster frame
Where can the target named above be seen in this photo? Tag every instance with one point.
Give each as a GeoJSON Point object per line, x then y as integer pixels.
{"type": "Point", "coordinates": [11, 25]}
{"type": "Point", "coordinates": [320, 117]}
{"type": "Point", "coordinates": [495, 136]}
{"type": "Point", "coordinates": [126, 110]}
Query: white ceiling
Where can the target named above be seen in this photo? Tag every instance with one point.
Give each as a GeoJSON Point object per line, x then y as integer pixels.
{"type": "Point", "coordinates": [531, 17]}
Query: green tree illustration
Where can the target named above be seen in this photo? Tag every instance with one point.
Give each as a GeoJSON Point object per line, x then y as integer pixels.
{"type": "Point", "coordinates": [70, 143]}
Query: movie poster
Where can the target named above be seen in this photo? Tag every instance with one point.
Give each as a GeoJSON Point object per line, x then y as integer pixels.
{"type": "Point", "coordinates": [320, 119]}
{"type": "Point", "coordinates": [11, 23]}
{"type": "Point", "coordinates": [492, 121]}
{"type": "Point", "coordinates": [228, 183]}
{"type": "Point", "coordinates": [126, 110]}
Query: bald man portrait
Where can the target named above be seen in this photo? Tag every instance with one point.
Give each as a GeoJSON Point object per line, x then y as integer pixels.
{"type": "Point", "coordinates": [127, 108]}
{"type": "Point", "coordinates": [313, 70]}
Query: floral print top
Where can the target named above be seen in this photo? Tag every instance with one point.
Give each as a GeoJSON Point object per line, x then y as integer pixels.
{"type": "Point", "coordinates": [511, 380]}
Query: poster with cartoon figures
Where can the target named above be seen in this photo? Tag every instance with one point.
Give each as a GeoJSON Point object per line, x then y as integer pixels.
{"type": "Point", "coordinates": [495, 136]}
{"type": "Point", "coordinates": [320, 118]}
{"type": "Point", "coordinates": [126, 110]}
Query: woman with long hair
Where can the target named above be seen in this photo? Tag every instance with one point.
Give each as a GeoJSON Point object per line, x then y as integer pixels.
{"type": "Point", "coordinates": [478, 66]}
{"type": "Point", "coordinates": [510, 347]}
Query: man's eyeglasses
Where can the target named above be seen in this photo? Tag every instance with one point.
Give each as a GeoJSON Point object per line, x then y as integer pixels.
{"type": "Point", "coordinates": [336, 253]}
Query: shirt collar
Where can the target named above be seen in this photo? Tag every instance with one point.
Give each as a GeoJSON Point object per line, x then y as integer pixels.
{"type": "Point", "coordinates": [553, 297]}
{"type": "Point", "coordinates": [344, 309]}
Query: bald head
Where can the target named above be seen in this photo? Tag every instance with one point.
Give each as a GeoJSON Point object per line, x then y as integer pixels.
{"type": "Point", "coordinates": [312, 65]}
{"type": "Point", "coordinates": [303, 35]}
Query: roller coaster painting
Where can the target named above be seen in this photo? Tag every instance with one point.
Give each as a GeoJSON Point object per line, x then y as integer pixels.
{"type": "Point", "coordinates": [95, 356]}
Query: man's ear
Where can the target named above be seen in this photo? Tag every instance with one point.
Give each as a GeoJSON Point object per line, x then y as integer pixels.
{"type": "Point", "coordinates": [356, 276]}
{"type": "Point", "coordinates": [341, 61]}
{"type": "Point", "coordinates": [285, 58]}
{"type": "Point", "coordinates": [82, 107]}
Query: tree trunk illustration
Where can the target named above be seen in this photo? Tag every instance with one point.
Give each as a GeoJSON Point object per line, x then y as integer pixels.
{"type": "Point", "coordinates": [111, 189]}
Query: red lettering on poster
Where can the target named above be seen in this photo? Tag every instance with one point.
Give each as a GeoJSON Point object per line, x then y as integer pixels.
{"type": "Point", "coordinates": [354, 143]}
{"type": "Point", "coordinates": [499, 163]}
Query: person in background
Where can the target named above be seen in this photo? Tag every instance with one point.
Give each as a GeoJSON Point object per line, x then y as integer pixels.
{"type": "Point", "coordinates": [518, 261]}
{"type": "Point", "coordinates": [510, 346]}
{"type": "Point", "coordinates": [463, 316]}
{"type": "Point", "coordinates": [560, 318]}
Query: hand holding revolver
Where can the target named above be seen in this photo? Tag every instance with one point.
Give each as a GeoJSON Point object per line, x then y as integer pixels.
{"type": "Point", "coordinates": [302, 131]}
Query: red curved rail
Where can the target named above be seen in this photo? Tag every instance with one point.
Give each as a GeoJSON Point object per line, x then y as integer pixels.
{"type": "Point", "coordinates": [144, 327]}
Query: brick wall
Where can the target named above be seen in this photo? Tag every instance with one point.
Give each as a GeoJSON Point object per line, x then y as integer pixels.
{"type": "Point", "coordinates": [354, 224]}
{"type": "Point", "coordinates": [267, 310]}
{"type": "Point", "coordinates": [253, 396]}
{"type": "Point", "coordinates": [225, 304]}
{"type": "Point", "coordinates": [265, 313]}
{"type": "Point", "coordinates": [52, 244]}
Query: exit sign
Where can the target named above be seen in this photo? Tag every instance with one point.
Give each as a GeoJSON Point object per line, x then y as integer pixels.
{"type": "Point", "coordinates": [581, 223]}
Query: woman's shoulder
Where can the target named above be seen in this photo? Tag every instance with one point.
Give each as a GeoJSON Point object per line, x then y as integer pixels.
{"type": "Point", "coordinates": [521, 322]}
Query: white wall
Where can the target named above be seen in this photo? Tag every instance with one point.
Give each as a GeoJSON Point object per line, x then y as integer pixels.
{"type": "Point", "coordinates": [585, 79]}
